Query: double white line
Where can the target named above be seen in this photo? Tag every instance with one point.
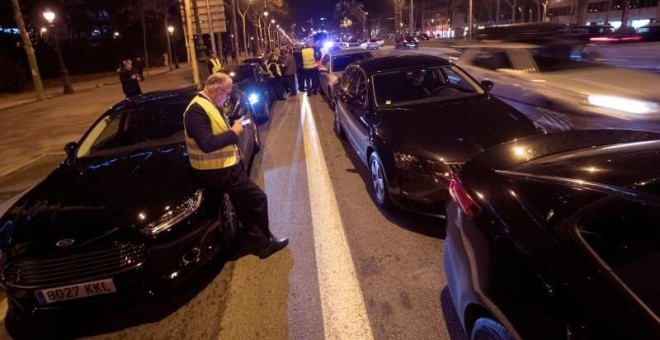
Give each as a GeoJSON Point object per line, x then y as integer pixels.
{"type": "Point", "coordinates": [344, 313]}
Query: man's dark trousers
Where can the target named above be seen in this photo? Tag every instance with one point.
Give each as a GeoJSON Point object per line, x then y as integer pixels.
{"type": "Point", "coordinates": [249, 200]}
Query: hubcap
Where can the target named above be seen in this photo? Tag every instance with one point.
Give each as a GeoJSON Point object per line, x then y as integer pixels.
{"type": "Point", "coordinates": [378, 179]}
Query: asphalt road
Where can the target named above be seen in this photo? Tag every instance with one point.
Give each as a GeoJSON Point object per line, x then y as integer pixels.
{"type": "Point", "coordinates": [351, 270]}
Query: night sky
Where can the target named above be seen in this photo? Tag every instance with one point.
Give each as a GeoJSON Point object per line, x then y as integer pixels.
{"type": "Point", "coordinates": [304, 9]}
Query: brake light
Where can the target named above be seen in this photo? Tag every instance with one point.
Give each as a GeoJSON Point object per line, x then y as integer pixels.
{"type": "Point", "coordinates": [633, 38]}
{"type": "Point", "coordinates": [461, 196]}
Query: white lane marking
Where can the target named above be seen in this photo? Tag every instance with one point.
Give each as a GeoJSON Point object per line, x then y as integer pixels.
{"type": "Point", "coordinates": [3, 309]}
{"type": "Point", "coordinates": [344, 312]}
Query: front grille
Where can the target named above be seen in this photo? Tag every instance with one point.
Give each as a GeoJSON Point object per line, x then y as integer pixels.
{"type": "Point", "coordinates": [74, 266]}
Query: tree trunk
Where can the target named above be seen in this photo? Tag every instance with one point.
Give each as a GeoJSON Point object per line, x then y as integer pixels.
{"type": "Point", "coordinates": [29, 51]}
{"type": "Point", "coordinates": [234, 29]}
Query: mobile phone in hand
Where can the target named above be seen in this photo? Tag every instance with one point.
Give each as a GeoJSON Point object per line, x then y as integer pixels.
{"type": "Point", "coordinates": [246, 122]}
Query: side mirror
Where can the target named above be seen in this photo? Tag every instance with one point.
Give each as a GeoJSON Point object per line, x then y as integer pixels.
{"type": "Point", "coordinates": [487, 85]}
{"type": "Point", "coordinates": [70, 149]}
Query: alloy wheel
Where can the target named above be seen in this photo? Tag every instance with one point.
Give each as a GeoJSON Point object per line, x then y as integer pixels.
{"type": "Point", "coordinates": [378, 181]}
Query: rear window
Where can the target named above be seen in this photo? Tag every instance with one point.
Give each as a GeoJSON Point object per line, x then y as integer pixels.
{"type": "Point", "coordinates": [340, 62]}
{"type": "Point", "coordinates": [626, 236]}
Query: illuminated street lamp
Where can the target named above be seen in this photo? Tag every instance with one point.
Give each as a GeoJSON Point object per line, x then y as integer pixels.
{"type": "Point", "coordinates": [172, 50]}
{"type": "Point", "coordinates": [64, 73]}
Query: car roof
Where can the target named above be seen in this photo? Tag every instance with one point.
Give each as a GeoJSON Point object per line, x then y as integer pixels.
{"type": "Point", "coordinates": [347, 51]}
{"type": "Point", "coordinates": [371, 66]}
{"type": "Point", "coordinates": [238, 66]}
{"type": "Point", "coordinates": [173, 94]}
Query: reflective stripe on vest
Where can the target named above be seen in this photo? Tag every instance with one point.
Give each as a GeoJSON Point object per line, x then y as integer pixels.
{"type": "Point", "coordinates": [219, 159]}
{"type": "Point", "coordinates": [277, 68]}
{"type": "Point", "coordinates": [216, 65]}
{"type": "Point", "coordinates": [308, 58]}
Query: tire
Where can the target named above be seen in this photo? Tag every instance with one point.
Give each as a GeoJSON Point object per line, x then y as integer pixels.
{"type": "Point", "coordinates": [379, 181]}
{"type": "Point", "coordinates": [489, 329]}
{"type": "Point", "coordinates": [229, 223]}
{"type": "Point", "coordinates": [265, 111]}
{"type": "Point", "coordinates": [336, 127]}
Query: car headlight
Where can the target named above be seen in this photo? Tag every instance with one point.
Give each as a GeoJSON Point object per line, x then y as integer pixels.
{"type": "Point", "coordinates": [623, 104]}
{"type": "Point", "coordinates": [408, 162]}
{"type": "Point", "coordinates": [174, 215]}
{"type": "Point", "coordinates": [253, 98]}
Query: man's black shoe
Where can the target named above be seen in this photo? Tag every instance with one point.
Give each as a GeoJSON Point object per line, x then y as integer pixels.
{"type": "Point", "coordinates": [274, 246]}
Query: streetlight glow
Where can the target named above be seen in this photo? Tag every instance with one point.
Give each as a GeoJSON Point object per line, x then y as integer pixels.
{"type": "Point", "coordinates": [170, 29]}
{"type": "Point", "coordinates": [49, 16]}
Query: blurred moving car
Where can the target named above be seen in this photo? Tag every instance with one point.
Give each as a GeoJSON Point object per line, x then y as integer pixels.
{"type": "Point", "coordinates": [413, 120]}
{"type": "Point", "coordinates": [650, 32]}
{"type": "Point", "coordinates": [423, 36]}
{"type": "Point", "coordinates": [123, 216]}
{"type": "Point", "coordinates": [556, 237]}
{"type": "Point", "coordinates": [406, 43]}
{"type": "Point", "coordinates": [560, 93]}
{"type": "Point", "coordinates": [254, 83]}
{"type": "Point", "coordinates": [372, 44]}
{"type": "Point", "coordinates": [334, 64]}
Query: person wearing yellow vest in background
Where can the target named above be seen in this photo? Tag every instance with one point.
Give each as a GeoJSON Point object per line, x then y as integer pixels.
{"type": "Point", "coordinates": [310, 70]}
{"type": "Point", "coordinates": [214, 63]}
{"type": "Point", "coordinates": [215, 159]}
{"type": "Point", "coordinates": [275, 76]}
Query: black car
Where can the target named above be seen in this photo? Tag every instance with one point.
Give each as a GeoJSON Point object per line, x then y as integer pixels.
{"type": "Point", "coordinates": [557, 237]}
{"type": "Point", "coordinates": [255, 84]}
{"type": "Point", "coordinates": [412, 138]}
{"type": "Point", "coordinates": [122, 216]}
{"type": "Point", "coordinates": [406, 43]}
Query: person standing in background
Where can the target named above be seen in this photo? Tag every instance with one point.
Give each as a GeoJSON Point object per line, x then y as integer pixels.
{"type": "Point", "coordinates": [290, 69]}
{"type": "Point", "coordinates": [129, 80]}
{"type": "Point", "coordinates": [214, 64]}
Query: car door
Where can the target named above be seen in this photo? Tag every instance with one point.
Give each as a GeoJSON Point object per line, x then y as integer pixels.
{"type": "Point", "coordinates": [356, 112]}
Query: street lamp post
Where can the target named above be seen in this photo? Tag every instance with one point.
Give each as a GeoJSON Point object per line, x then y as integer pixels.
{"type": "Point", "coordinates": [64, 73]}
{"type": "Point", "coordinates": [170, 30]}
{"type": "Point", "coordinates": [174, 56]}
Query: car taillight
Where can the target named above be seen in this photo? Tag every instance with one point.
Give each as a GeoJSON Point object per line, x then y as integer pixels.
{"type": "Point", "coordinates": [461, 196]}
{"type": "Point", "coordinates": [633, 38]}
{"type": "Point", "coordinates": [606, 39]}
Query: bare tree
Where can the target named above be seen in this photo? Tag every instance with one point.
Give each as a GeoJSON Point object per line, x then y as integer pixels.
{"type": "Point", "coordinates": [29, 51]}
{"type": "Point", "coordinates": [243, 13]}
{"type": "Point", "coordinates": [513, 4]}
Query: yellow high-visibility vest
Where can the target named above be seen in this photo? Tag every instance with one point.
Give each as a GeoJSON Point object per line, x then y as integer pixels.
{"type": "Point", "coordinates": [219, 159]}
{"type": "Point", "coordinates": [308, 58]}
{"type": "Point", "coordinates": [216, 65]}
{"type": "Point", "coordinates": [277, 70]}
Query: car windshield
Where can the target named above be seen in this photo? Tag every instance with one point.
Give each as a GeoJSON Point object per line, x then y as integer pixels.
{"type": "Point", "coordinates": [437, 83]}
{"type": "Point", "coordinates": [558, 58]}
{"type": "Point", "coordinates": [339, 62]}
{"type": "Point", "coordinates": [240, 73]}
{"type": "Point", "coordinates": [131, 128]}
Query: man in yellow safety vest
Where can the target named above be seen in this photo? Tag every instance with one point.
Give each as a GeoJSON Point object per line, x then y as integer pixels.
{"type": "Point", "coordinates": [215, 159]}
{"type": "Point", "coordinates": [214, 63]}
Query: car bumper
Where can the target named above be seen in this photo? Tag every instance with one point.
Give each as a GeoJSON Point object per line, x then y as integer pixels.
{"type": "Point", "coordinates": [422, 194]}
{"type": "Point", "coordinates": [163, 266]}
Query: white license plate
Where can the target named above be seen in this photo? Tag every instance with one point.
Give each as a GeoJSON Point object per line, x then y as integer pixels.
{"type": "Point", "coordinates": [77, 291]}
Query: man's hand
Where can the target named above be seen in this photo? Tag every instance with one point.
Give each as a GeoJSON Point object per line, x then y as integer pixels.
{"type": "Point", "coordinates": [237, 127]}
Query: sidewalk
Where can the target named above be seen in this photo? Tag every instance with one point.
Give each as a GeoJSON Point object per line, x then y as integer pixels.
{"type": "Point", "coordinates": [12, 100]}
{"type": "Point", "coordinates": [37, 129]}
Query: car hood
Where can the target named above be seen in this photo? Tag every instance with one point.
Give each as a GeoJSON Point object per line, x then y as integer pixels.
{"type": "Point", "coordinates": [606, 81]}
{"type": "Point", "coordinates": [452, 131]}
{"type": "Point", "coordinates": [100, 199]}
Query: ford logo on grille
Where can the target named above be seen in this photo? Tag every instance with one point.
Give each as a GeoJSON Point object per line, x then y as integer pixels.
{"type": "Point", "coordinates": [65, 242]}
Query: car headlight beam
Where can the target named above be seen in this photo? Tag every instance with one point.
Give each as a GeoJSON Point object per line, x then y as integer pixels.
{"type": "Point", "coordinates": [253, 98]}
{"type": "Point", "coordinates": [623, 104]}
{"type": "Point", "coordinates": [174, 215]}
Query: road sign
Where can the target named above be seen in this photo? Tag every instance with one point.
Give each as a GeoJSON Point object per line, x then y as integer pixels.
{"type": "Point", "coordinates": [209, 14]}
